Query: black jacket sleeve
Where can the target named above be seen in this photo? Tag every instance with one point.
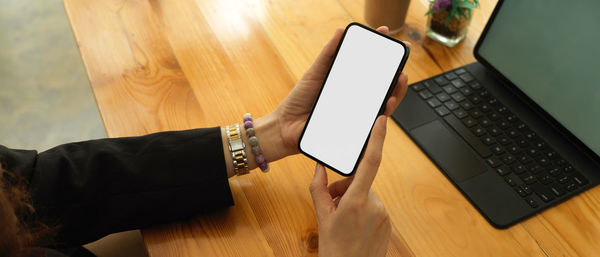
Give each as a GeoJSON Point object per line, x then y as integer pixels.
{"type": "Point", "coordinates": [93, 188]}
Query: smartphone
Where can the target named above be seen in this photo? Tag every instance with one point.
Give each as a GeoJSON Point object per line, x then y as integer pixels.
{"type": "Point", "coordinates": [362, 76]}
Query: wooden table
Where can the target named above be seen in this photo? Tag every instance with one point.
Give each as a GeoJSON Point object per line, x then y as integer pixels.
{"type": "Point", "coordinates": [166, 65]}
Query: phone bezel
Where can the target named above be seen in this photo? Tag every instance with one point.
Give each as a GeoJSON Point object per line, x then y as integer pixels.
{"type": "Point", "coordinates": [381, 108]}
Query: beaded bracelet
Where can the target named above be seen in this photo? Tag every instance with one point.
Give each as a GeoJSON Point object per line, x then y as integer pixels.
{"type": "Point", "coordinates": [253, 140]}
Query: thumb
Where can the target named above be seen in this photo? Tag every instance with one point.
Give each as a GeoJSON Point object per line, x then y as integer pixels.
{"type": "Point", "coordinates": [320, 194]}
{"type": "Point", "coordinates": [319, 68]}
{"type": "Point", "coordinates": [367, 169]}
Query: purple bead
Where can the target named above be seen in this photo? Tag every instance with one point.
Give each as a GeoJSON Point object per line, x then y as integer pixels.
{"type": "Point", "coordinates": [248, 124]}
{"type": "Point", "coordinates": [260, 159]}
{"type": "Point", "coordinates": [248, 119]}
{"type": "Point", "coordinates": [264, 166]}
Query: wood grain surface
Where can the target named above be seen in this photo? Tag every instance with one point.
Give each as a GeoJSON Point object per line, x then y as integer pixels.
{"type": "Point", "coordinates": [157, 65]}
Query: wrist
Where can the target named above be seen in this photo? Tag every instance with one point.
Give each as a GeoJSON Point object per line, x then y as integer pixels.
{"type": "Point", "coordinates": [268, 132]}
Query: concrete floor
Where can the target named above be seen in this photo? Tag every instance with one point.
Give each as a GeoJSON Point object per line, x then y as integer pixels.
{"type": "Point", "coordinates": [45, 96]}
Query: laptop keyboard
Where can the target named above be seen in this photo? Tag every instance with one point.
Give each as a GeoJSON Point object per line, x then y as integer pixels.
{"type": "Point", "coordinates": [525, 161]}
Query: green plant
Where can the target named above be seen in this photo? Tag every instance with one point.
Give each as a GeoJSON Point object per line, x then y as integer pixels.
{"type": "Point", "coordinates": [455, 8]}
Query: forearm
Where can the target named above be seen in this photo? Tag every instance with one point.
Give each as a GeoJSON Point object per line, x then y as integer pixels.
{"type": "Point", "coordinates": [269, 139]}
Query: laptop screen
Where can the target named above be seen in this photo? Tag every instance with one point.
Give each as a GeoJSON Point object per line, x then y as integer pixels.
{"type": "Point", "coordinates": [550, 50]}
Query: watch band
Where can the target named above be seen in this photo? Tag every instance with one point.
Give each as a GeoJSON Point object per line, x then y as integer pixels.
{"type": "Point", "coordinates": [237, 149]}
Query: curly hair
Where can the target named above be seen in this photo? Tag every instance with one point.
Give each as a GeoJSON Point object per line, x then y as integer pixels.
{"type": "Point", "coordinates": [20, 228]}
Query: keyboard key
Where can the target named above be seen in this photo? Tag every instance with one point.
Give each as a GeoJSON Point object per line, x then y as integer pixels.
{"type": "Point", "coordinates": [442, 111]}
{"type": "Point", "coordinates": [531, 202]}
{"type": "Point", "coordinates": [555, 172]}
{"type": "Point", "coordinates": [475, 99]}
{"type": "Point", "coordinates": [503, 124]}
{"type": "Point", "coordinates": [525, 159]}
{"type": "Point", "coordinates": [568, 169]}
{"type": "Point", "coordinates": [543, 192]}
{"type": "Point", "coordinates": [485, 122]}
{"type": "Point", "coordinates": [560, 162]}
{"type": "Point", "coordinates": [488, 140]}
{"type": "Point", "coordinates": [469, 122]}
{"type": "Point", "coordinates": [508, 159]}
{"type": "Point", "coordinates": [558, 191]}
{"type": "Point", "coordinates": [494, 131]}
{"type": "Point", "coordinates": [450, 76]}
{"type": "Point", "coordinates": [518, 168]}
{"type": "Point", "coordinates": [520, 191]}
{"type": "Point", "coordinates": [545, 179]}
{"type": "Point", "coordinates": [493, 102]}
{"type": "Point", "coordinates": [540, 145]}
{"type": "Point", "coordinates": [513, 149]}
{"type": "Point", "coordinates": [521, 142]}
{"type": "Point", "coordinates": [533, 152]}
{"type": "Point", "coordinates": [458, 97]}
{"type": "Point", "coordinates": [449, 89]}
{"type": "Point", "coordinates": [484, 94]}
{"type": "Point", "coordinates": [503, 170]}
{"type": "Point", "coordinates": [476, 114]}
{"type": "Point", "coordinates": [466, 134]}
{"type": "Point", "coordinates": [563, 179]}
{"type": "Point", "coordinates": [458, 83]}
{"type": "Point", "coordinates": [497, 149]}
{"type": "Point", "coordinates": [503, 140]}
{"type": "Point", "coordinates": [467, 77]}
{"type": "Point", "coordinates": [521, 126]}
{"type": "Point", "coordinates": [434, 88]}
{"type": "Point", "coordinates": [417, 87]}
{"type": "Point", "coordinates": [425, 94]}
{"type": "Point", "coordinates": [443, 97]}
{"type": "Point", "coordinates": [494, 161]}
{"type": "Point", "coordinates": [466, 105]}
{"type": "Point", "coordinates": [502, 110]}
{"type": "Point", "coordinates": [441, 80]}
{"type": "Point", "coordinates": [530, 135]}
{"type": "Point", "coordinates": [466, 91]}
{"type": "Point", "coordinates": [451, 105]}
{"type": "Point", "coordinates": [510, 180]}
{"type": "Point", "coordinates": [485, 108]}
{"type": "Point", "coordinates": [528, 179]}
{"type": "Point", "coordinates": [475, 86]}
{"type": "Point", "coordinates": [478, 130]}
{"type": "Point", "coordinates": [571, 187]}
{"type": "Point", "coordinates": [512, 118]}
{"type": "Point", "coordinates": [434, 102]}
{"type": "Point", "coordinates": [534, 168]}
{"type": "Point", "coordinates": [543, 161]}
{"type": "Point", "coordinates": [494, 116]}
{"type": "Point", "coordinates": [512, 133]}
{"type": "Point", "coordinates": [460, 71]}
{"type": "Point", "coordinates": [552, 155]}
{"type": "Point", "coordinates": [580, 179]}
{"type": "Point", "coordinates": [460, 113]}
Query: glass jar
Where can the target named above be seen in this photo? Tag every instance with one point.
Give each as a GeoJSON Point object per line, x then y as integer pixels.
{"type": "Point", "coordinates": [450, 34]}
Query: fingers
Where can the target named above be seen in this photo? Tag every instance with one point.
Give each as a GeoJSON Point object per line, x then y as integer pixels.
{"type": "Point", "coordinates": [397, 94]}
{"type": "Point", "coordinates": [339, 187]}
{"type": "Point", "coordinates": [367, 169]}
{"type": "Point", "coordinates": [383, 29]}
{"type": "Point", "coordinates": [320, 194]}
{"type": "Point", "coordinates": [319, 68]}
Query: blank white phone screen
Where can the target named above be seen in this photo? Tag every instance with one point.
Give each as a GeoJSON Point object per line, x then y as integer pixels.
{"type": "Point", "coordinates": [350, 100]}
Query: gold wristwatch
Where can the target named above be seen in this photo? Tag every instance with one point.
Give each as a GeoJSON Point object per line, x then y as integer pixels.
{"type": "Point", "coordinates": [237, 149]}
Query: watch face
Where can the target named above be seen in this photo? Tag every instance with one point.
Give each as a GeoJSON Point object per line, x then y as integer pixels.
{"type": "Point", "coordinates": [236, 144]}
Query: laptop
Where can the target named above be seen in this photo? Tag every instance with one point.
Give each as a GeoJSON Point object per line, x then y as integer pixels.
{"type": "Point", "coordinates": [518, 131]}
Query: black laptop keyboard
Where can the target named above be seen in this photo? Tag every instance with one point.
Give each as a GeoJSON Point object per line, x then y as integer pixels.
{"type": "Point", "coordinates": [508, 145]}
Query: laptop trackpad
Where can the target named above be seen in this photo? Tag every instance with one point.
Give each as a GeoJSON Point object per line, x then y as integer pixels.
{"type": "Point", "coordinates": [451, 154]}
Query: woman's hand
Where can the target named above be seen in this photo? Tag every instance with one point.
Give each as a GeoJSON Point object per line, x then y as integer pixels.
{"type": "Point", "coordinates": [292, 113]}
{"type": "Point", "coordinates": [352, 221]}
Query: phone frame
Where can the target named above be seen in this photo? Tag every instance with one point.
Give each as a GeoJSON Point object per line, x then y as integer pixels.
{"type": "Point", "coordinates": [381, 108]}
